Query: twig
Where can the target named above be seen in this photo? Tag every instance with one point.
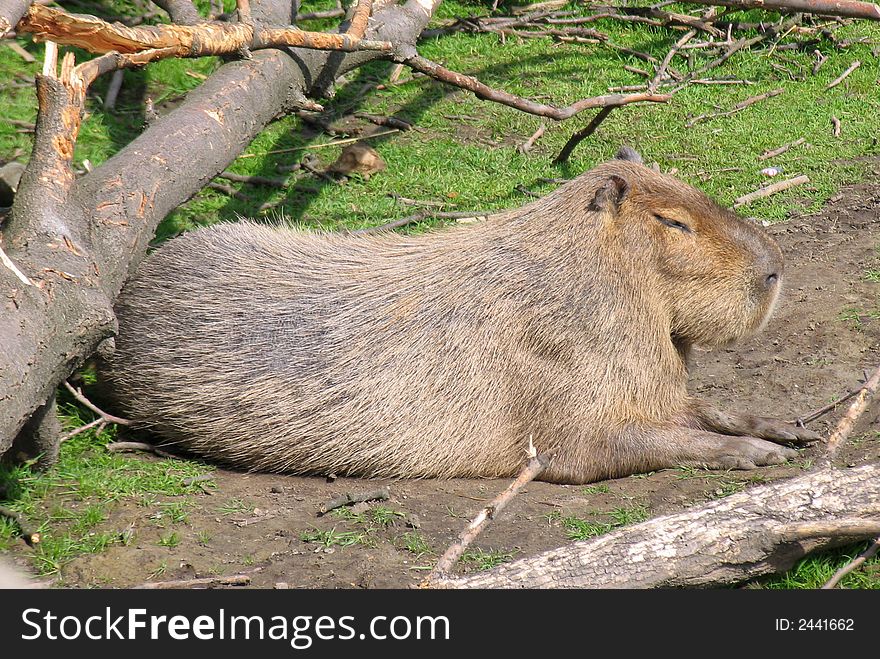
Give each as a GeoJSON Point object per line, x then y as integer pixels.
{"type": "Point", "coordinates": [227, 190]}
{"type": "Point", "coordinates": [109, 418]}
{"type": "Point", "coordinates": [123, 447]}
{"type": "Point", "coordinates": [347, 499]}
{"type": "Point", "coordinates": [839, 79]}
{"type": "Point", "coordinates": [527, 146]}
{"type": "Point", "coordinates": [661, 70]}
{"type": "Point", "coordinates": [392, 122]}
{"type": "Point", "coordinates": [820, 60]}
{"type": "Point", "coordinates": [350, 140]}
{"type": "Point", "coordinates": [771, 190]}
{"type": "Point", "coordinates": [835, 126]}
{"type": "Point", "coordinates": [846, 569]}
{"type": "Point", "coordinates": [255, 180]}
{"type": "Point", "coordinates": [536, 465]}
{"type": "Point", "coordinates": [815, 414]}
{"type": "Point", "coordinates": [772, 153]}
{"type": "Point", "coordinates": [845, 426]}
{"type": "Point", "coordinates": [581, 135]}
{"type": "Point", "coordinates": [418, 217]}
{"type": "Point", "coordinates": [739, 107]}
{"type": "Point", "coordinates": [484, 92]}
{"type": "Point", "coordinates": [206, 582]}
{"type": "Point", "coordinates": [21, 52]}
{"type": "Point", "coordinates": [30, 537]}
{"type": "Point", "coordinates": [73, 433]}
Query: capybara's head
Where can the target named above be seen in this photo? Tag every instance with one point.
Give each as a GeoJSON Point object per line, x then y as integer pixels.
{"type": "Point", "coordinates": [719, 274]}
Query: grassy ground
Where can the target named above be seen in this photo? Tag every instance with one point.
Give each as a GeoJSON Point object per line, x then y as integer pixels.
{"type": "Point", "coordinates": [462, 154]}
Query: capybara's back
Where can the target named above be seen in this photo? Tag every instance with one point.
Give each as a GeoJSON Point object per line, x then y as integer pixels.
{"type": "Point", "coordinates": [563, 323]}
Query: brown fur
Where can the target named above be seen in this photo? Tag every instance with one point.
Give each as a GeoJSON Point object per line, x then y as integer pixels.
{"type": "Point", "coordinates": [566, 322]}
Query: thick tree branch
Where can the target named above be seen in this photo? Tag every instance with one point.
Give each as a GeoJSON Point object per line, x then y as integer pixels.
{"type": "Point", "coordinates": [182, 12]}
{"type": "Point", "coordinates": [484, 92]}
{"type": "Point", "coordinates": [843, 8]}
{"type": "Point", "coordinates": [205, 38]}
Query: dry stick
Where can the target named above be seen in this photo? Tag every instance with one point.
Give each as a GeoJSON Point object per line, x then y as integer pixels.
{"type": "Point", "coordinates": [347, 499]}
{"type": "Point", "coordinates": [73, 433]}
{"type": "Point", "coordinates": [772, 153]}
{"type": "Point", "coordinates": [858, 561]}
{"type": "Point", "coordinates": [484, 92]}
{"type": "Point", "coordinates": [845, 426]}
{"type": "Point", "coordinates": [30, 537]}
{"type": "Point", "coordinates": [739, 107]}
{"type": "Point", "coordinates": [820, 60]}
{"type": "Point", "coordinates": [21, 52]}
{"type": "Point", "coordinates": [255, 180]}
{"type": "Point", "coordinates": [418, 217]}
{"type": "Point", "coordinates": [581, 135]}
{"type": "Point", "coordinates": [194, 480]}
{"type": "Point", "coordinates": [350, 140]}
{"type": "Point", "coordinates": [835, 126]}
{"type": "Point", "coordinates": [527, 146]}
{"type": "Point", "coordinates": [206, 582]}
{"type": "Point", "coordinates": [770, 190]}
{"type": "Point", "coordinates": [661, 70]}
{"type": "Point", "coordinates": [227, 190]}
{"type": "Point", "coordinates": [536, 465]}
{"type": "Point", "coordinates": [109, 418]}
{"type": "Point", "coordinates": [815, 414]}
{"type": "Point", "coordinates": [839, 79]}
{"type": "Point", "coordinates": [393, 122]}
{"type": "Point", "coordinates": [123, 447]}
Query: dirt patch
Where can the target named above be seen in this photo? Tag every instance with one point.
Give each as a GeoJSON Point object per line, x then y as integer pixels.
{"type": "Point", "coordinates": [825, 332]}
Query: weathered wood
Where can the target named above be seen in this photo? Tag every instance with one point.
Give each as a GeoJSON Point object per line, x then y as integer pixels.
{"type": "Point", "coordinates": [740, 537]}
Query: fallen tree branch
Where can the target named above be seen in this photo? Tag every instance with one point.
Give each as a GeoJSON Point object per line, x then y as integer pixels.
{"type": "Point", "coordinates": [125, 447]}
{"type": "Point", "coordinates": [536, 465]}
{"type": "Point", "coordinates": [722, 542]}
{"type": "Point", "coordinates": [842, 8]}
{"type": "Point", "coordinates": [843, 76]}
{"type": "Point", "coordinates": [486, 93]}
{"type": "Point", "coordinates": [108, 418]}
{"type": "Point", "coordinates": [846, 424]}
{"type": "Point", "coordinates": [581, 135]}
{"type": "Point", "coordinates": [418, 217]}
{"type": "Point", "coordinates": [770, 190]}
{"type": "Point", "coordinates": [772, 153]}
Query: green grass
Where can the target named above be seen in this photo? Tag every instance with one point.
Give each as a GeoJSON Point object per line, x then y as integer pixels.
{"type": "Point", "coordinates": [815, 570]}
{"type": "Point", "coordinates": [333, 538]}
{"type": "Point", "coordinates": [415, 543]}
{"type": "Point", "coordinates": [579, 528]}
{"type": "Point", "coordinates": [480, 559]}
{"type": "Point", "coordinates": [71, 504]}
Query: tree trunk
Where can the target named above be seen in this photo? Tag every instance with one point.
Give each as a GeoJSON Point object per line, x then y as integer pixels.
{"type": "Point", "coordinates": [763, 530]}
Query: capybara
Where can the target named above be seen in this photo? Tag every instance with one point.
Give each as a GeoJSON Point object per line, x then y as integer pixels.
{"type": "Point", "coordinates": [566, 323]}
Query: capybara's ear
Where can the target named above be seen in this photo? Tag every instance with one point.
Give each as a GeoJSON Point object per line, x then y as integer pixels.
{"type": "Point", "coordinates": [610, 194]}
{"type": "Point", "coordinates": [630, 154]}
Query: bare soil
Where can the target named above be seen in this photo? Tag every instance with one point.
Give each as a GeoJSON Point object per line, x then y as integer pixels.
{"type": "Point", "coordinates": [825, 333]}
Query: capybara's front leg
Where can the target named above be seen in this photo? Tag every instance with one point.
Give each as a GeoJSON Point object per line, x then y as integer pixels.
{"type": "Point", "coordinates": [636, 450]}
{"type": "Point", "coordinates": [708, 417]}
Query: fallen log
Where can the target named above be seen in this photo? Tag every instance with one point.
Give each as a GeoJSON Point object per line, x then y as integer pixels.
{"type": "Point", "coordinates": [740, 537]}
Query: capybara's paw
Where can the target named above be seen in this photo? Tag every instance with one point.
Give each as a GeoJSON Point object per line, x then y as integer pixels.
{"type": "Point", "coordinates": [780, 431]}
{"type": "Point", "coordinates": [749, 453]}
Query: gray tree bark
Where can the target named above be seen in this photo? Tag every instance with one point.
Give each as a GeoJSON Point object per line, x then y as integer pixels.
{"type": "Point", "coordinates": [763, 530]}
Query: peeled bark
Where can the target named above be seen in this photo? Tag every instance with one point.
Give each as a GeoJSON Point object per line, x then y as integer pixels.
{"type": "Point", "coordinates": [763, 530]}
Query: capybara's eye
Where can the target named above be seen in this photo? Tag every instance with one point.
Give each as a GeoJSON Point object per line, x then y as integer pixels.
{"type": "Point", "coordinates": [675, 224]}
